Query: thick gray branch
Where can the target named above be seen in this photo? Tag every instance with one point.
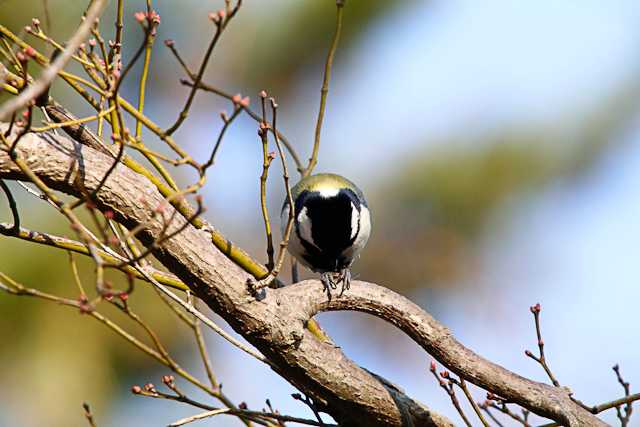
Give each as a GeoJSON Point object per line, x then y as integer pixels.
{"type": "Point", "coordinates": [275, 325]}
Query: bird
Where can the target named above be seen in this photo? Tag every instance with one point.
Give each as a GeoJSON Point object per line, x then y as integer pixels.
{"type": "Point", "coordinates": [331, 226]}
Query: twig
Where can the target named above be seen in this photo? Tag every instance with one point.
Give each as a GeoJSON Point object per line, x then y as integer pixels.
{"type": "Point", "coordinates": [11, 286]}
{"type": "Point", "coordinates": [463, 386]}
{"type": "Point", "coordinates": [145, 72]}
{"type": "Point", "coordinates": [47, 15]}
{"type": "Point", "coordinates": [15, 228]}
{"type": "Point", "coordinates": [255, 415]}
{"type": "Point", "coordinates": [486, 409]}
{"type": "Point", "coordinates": [166, 279]}
{"type": "Point", "coordinates": [449, 389]}
{"type": "Point", "coordinates": [502, 407]}
{"type": "Point", "coordinates": [267, 158]}
{"type": "Point", "coordinates": [76, 275]}
{"type": "Point", "coordinates": [221, 24]}
{"type": "Point", "coordinates": [156, 243]}
{"type": "Point", "coordinates": [287, 187]}
{"type": "Point", "coordinates": [75, 122]}
{"type": "Point", "coordinates": [117, 46]}
{"type": "Point", "coordinates": [313, 160]}
{"type": "Point", "coordinates": [227, 122]}
{"type": "Point", "coordinates": [535, 309]}
{"type": "Point", "coordinates": [628, 409]}
{"type": "Point", "coordinates": [197, 417]}
{"type": "Point", "coordinates": [273, 273]}
{"type": "Point", "coordinates": [202, 349]}
{"type": "Point", "coordinates": [208, 88]}
{"type": "Point", "coordinates": [88, 415]}
{"type": "Point", "coordinates": [310, 404]}
{"type": "Point", "coordinates": [204, 319]}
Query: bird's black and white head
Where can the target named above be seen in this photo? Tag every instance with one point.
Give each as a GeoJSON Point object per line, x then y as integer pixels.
{"type": "Point", "coordinates": [331, 223]}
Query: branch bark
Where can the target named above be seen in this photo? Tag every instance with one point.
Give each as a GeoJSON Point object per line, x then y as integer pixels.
{"type": "Point", "coordinates": [275, 324]}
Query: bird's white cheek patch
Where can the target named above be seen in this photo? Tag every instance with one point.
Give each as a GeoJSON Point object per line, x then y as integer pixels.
{"type": "Point", "coordinates": [304, 225]}
{"type": "Point", "coordinates": [355, 219]}
{"type": "Point", "coordinates": [365, 228]}
{"type": "Point", "coordinates": [362, 237]}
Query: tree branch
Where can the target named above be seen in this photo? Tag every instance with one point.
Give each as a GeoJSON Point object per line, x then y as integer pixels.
{"type": "Point", "coordinates": [276, 324]}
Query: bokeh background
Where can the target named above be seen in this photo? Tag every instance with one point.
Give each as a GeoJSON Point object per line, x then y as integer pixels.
{"type": "Point", "coordinates": [497, 143]}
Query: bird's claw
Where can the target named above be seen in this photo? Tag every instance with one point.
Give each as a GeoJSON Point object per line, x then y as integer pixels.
{"type": "Point", "coordinates": [345, 278]}
{"type": "Point", "coordinates": [329, 281]}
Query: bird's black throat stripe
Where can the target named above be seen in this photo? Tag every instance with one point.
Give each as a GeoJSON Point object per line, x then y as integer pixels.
{"type": "Point", "coordinates": [331, 228]}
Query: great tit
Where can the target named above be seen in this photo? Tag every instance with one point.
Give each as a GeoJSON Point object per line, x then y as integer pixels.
{"type": "Point", "coordinates": [331, 225]}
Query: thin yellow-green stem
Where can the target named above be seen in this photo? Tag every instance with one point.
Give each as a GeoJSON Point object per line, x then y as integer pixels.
{"type": "Point", "coordinates": [73, 80]}
{"type": "Point", "coordinates": [463, 385]}
{"type": "Point", "coordinates": [80, 248]}
{"type": "Point", "coordinates": [266, 162]}
{"type": "Point", "coordinates": [285, 177]}
{"type": "Point", "coordinates": [275, 268]}
{"type": "Point", "coordinates": [119, 27]}
{"type": "Point", "coordinates": [202, 347]}
{"type": "Point", "coordinates": [324, 90]}
{"type": "Point", "coordinates": [57, 46]}
{"type": "Point", "coordinates": [143, 77]}
{"type": "Point", "coordinates": [159, 156]}
{"type": "Point", "coordinates": [73, 122]}
{"type": "Point", "coordinates": [76, 275]}
{"type": "Point", "coordinates": [16, 288]}
{"type": "Point", "coordinates": [8, 88]}
{"type": "Point", "coordinates": [154, 338]}
{"type": "Point", "coordinates": [11, 55]}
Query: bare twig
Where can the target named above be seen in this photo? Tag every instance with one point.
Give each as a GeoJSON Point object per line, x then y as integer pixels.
{"type": "Point", "coordinates": [150, 38]}
{"type": "Point", "coordinates": [150, 391]}
{"type": "Point", "coordinates": [200, 416]}
{"type": "Point", "coordinates": [486, 409]}
{"type": "Point", "coordinates": [227, 122]}
{"type": "Point", "coordinates": [267, 158]}
{"type": "Point", "coordinates": [313, 160]}
{"type": "Point", "coordinates": [275, 270]}
{"type": "Point", "coordinates": [64, 243]}
{"type": "Point", "coordinates": [310, 404]}
{"type": "Point", "coordinates": [221, 23]}
{"type": "Point", "coordinates": [15, 228]}
{"type": "Point", "coordinates": [88, 415]}
{"type": "Point", "coordinates": [628, 409]}
{"type": "Point", "coordinates": [502, 407]}
{"type": "Point", "coordinates": [463, 386]}
{"type": "Point", "coordinates": [255, 116]}
{"type": "Point", "coordinates": [535, 309]}
{"type": "Point", "coordinates": [448, 387]}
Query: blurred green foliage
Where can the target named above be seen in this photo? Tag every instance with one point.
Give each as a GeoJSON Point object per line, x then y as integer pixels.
{"type": "Point", "coordinates": [439, 203]}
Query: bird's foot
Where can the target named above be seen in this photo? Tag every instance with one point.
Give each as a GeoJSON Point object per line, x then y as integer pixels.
{"type": "Point", "coordinates": [328, 282]}
{"type": "Point", "coordinates": [345, 278]}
